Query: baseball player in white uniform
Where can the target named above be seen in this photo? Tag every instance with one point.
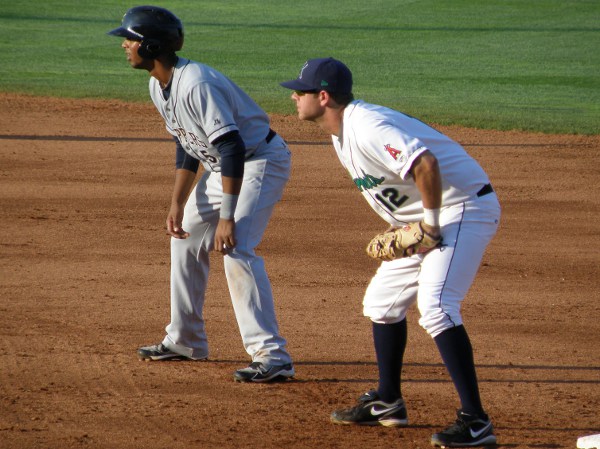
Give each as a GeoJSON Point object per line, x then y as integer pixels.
{"type": "Point", "coordinates": [246, 167]}
{"type": "Point", "coordinates": [409, 172]}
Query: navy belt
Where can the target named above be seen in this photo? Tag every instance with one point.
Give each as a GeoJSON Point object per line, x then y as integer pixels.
{"type": "Point", "coordinates": [485, 190]}
{"type": "Point", "coordinates": [270, 135]}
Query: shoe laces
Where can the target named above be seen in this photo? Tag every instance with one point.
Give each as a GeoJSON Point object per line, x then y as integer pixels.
{"type": "Point", "coordinates": [463, 423]}
{"type": "Point", "coordinates": [371, 395]}
{"type": "Point", "coordinates": [258, 366]}
{"type": "Point", "coordinates": [459, 426]}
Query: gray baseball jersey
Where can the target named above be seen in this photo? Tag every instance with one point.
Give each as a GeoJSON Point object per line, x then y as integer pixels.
{"type": "Point", "coordinates": [203, 105]}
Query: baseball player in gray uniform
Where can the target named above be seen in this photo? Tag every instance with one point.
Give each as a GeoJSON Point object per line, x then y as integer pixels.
{"type": "Point", "coordinates": [246, 167]}
{"type": "Point", "coordinates": [409, 172]}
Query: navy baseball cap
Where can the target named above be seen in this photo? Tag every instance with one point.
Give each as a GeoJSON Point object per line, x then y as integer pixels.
{"type": "Point", "coordinates": [319, 74]}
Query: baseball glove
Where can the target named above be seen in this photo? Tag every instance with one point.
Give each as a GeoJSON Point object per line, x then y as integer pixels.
{"type": "Point", "coordinates": [402, 242]}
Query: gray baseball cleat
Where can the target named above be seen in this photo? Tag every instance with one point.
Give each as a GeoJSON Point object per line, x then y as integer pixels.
{"type": "Point", "coordinates": [262, 372]}
{"type": "Point", "coordinates": [158, 352]}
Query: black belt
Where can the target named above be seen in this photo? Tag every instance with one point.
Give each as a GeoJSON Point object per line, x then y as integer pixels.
{"type": "Point", "coordinates": [485, 190]}
{"type": "Point", "coordinates": [270, 135]}
{"type": "Point", "coordinates": [267, 139]}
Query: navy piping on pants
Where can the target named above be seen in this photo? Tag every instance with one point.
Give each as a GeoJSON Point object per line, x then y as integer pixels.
{"type": "Point", "coordinates": [450, 264]}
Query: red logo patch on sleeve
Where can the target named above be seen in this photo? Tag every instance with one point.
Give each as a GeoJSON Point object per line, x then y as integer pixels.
{"type": "Point", "coordinates": [396, 154]}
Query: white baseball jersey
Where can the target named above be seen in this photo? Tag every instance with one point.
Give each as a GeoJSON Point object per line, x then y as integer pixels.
{"type": "Point", "coordinates": [203, 105]}
{"type": "Point", "coordinates": [378, 146]}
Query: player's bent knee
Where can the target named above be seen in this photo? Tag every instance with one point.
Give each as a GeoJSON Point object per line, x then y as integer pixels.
{"type": "Point", "coordinates": [436, 324]}
{"type": "Point", "coordinates": [383, 316]}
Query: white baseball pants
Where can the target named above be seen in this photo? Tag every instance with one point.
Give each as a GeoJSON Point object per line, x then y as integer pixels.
{"type": "Point", "coordinates": [439, 280]}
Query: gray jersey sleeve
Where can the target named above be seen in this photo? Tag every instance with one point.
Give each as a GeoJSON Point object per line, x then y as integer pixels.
{"type": "Point", "coordinates": [214, 111]}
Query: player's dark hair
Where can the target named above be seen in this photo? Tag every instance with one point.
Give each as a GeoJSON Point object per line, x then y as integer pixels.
{"type": "Point", "coordinates": [342, 99]}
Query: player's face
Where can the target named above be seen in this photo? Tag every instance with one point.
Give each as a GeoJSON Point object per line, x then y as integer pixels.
{"type": "Point", "coordinates": [131, 52]}
{"type": "Point", "coordinates": [308, 105]}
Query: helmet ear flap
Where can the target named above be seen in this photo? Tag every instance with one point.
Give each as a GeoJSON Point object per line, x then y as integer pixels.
{"type": "Point", "coordinates": [178, 43]}
{"type": "Point", "coordinates": [150, 48]}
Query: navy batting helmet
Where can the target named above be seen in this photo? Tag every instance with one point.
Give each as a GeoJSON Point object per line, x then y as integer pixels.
{"type": "Point", "coordinates": [157, 29]}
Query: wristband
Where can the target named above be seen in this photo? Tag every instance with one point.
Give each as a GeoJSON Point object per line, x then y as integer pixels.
{"type": "Point", "coordinates": [228, 204]}
{"type": "Point", "coordinates": [431, 217]}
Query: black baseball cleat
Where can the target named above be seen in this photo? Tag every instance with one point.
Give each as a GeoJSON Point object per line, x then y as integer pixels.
{"type": "Point", "coordinates": [372, 411]}
{"type": "Point", "coordinates": [158, 352]}
{"type": "Point", "coordinates": [467, 431]}
{"type": "Point", "coordinates": [262, 372]}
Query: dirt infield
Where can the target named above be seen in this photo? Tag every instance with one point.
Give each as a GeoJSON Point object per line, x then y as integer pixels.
{"type": "Point", "coordinates": [84, 263]}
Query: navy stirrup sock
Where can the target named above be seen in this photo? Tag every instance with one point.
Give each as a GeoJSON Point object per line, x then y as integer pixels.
{"type": "Point", "coordinates": [390, 343]}
{"type": "Point", "coordinates": [457, 353]}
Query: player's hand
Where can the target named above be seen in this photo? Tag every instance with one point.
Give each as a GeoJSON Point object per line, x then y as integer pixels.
{"type": "Point", "coordinates": [174, 220]}
{"type": "Point", "coordinates": [224, 239]}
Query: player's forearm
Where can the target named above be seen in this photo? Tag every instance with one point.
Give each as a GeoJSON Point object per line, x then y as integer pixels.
{"type": "Point", "coordinates": [231, 192]}
{"type": "Point", "coordinates": [232, 185]}
{"type": "Point", "coordinates": [428, 180]}
{"type": "Point", "coordinates": [184, 180]}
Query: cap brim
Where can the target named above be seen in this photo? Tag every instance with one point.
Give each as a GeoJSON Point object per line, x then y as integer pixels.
{"type": "Point", "coordinates": [296, 85]}
{"type": "Point", "coordinates": [124, 32]}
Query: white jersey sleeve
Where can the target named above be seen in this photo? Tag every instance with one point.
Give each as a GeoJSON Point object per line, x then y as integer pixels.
{"type": "Point", "coordinates": [376, 143]}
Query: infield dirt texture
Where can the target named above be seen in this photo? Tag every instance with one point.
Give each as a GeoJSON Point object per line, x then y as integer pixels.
{"type": "Point", "coordinates": [84, 262]}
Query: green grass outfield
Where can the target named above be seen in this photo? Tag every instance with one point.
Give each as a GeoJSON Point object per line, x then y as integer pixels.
{"type": "Point", "coordinates": [503, 64]}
